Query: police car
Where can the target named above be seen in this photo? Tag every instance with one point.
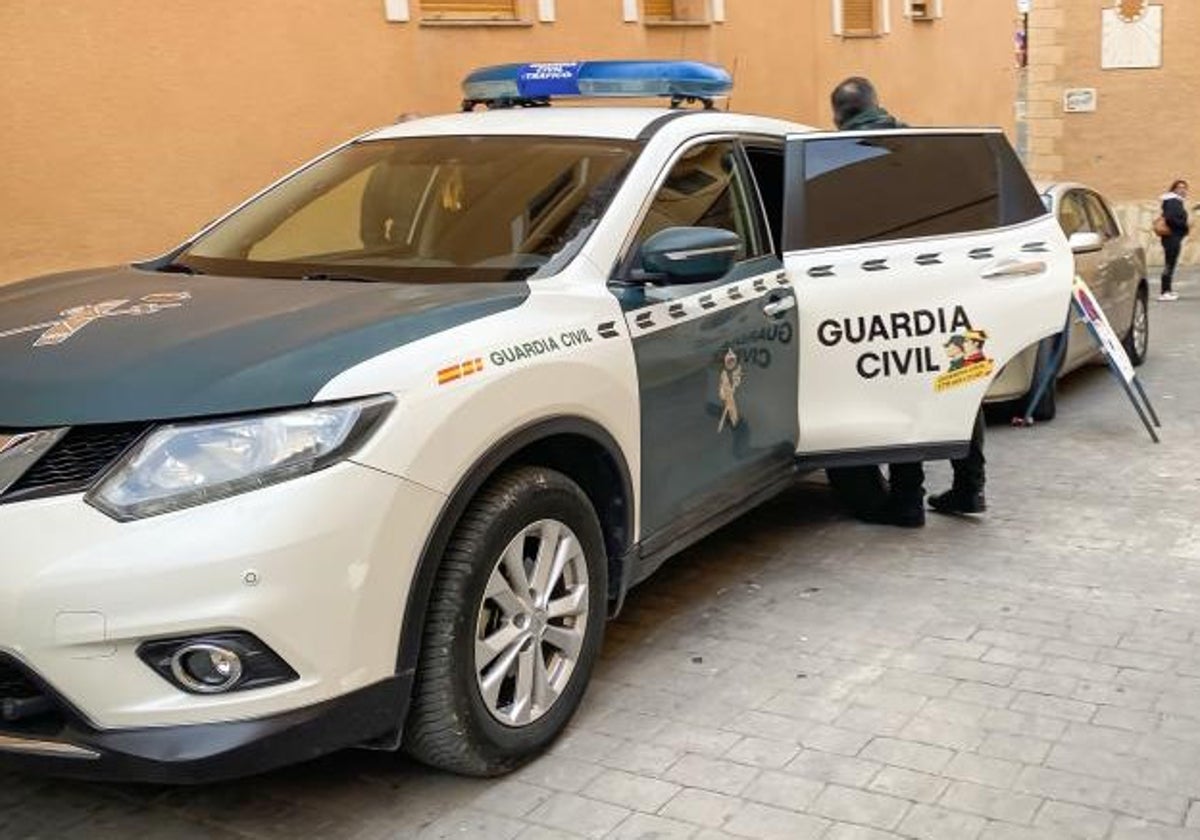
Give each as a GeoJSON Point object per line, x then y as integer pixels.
{"type": "Point", "coordinates": [371, 459]}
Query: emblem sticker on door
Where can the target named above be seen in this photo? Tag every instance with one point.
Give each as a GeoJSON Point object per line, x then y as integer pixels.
{"type": "Point", "coordinates": [967, 360]}
{"type": "Point", "coordinates": [729, 381]}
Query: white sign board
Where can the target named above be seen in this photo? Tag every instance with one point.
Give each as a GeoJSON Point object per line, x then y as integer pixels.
{"type": "Point", "coordinates": [1024, 7]}
{"type": "Point", "coordinates": [1079, 100]}
{"type": "Point", "coordinates": [1089, 309]}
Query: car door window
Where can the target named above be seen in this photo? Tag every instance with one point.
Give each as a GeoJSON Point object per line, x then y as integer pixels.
{"type": "Point", "coordinates": [1101, 220]}
{"type": "Point", "coordinates": [1073, 216]}
{"type": "Point", "coordinates": [707, 187]}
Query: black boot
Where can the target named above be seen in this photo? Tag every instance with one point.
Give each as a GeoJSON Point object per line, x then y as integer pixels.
{"type": "Point", "coordinates": [958, 500]}
{"type": "Point", "coordinates": [906, 511]}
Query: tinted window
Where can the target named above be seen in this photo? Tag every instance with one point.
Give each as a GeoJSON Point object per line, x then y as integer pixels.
{"type": "Point", "coordinates": [873, 189]}
{"type": "Point", "coordinates": [707, 188]}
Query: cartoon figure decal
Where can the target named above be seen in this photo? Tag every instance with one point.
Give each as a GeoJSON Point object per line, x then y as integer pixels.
{"type": "Point", "coordinates": [967, 360]}
{"type": "Point", "coordinates": [730, 380]}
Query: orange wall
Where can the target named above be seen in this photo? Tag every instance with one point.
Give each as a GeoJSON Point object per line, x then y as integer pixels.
{"type": "Point", "coordinates": [129, 123]}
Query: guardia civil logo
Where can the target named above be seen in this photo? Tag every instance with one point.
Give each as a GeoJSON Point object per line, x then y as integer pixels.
{"type": "Point", "coordinates": [70, 321]}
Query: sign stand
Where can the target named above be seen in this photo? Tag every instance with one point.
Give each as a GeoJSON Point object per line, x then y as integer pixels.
{"type": "Point", "coordinates": [1084, 303]}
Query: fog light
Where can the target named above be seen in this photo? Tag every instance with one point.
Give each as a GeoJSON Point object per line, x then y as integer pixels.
{"type": "Point", "coordinates": [216, 662]}
{"type": "Point", "coordinates": [207, 669]}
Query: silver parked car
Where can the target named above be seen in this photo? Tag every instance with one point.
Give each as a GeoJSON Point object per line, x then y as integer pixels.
{"type": "Point", "coordinates": [1114, 267]}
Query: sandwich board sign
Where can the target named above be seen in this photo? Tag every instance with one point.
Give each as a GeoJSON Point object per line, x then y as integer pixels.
{"type": "Point", "coordinates": [1087, 308]}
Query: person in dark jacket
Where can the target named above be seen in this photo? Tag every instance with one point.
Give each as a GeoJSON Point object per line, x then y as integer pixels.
{"type": "Point", "coordinates": [1174, 211]}
{"type": "Point", "coordinates": [900, 500]}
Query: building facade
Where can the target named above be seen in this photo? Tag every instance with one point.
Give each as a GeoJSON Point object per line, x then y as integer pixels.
{"type": "Point", "coordinates": [129, 124]}
{"type": "Point", "coordinates": [1112, 87]}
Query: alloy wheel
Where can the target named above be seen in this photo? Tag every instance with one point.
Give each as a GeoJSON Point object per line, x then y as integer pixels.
{"type": "Point", "coordinates": [532, 623]}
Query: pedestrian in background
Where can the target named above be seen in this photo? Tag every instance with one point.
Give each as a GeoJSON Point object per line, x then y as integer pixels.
{"type": "Point", "coordinates": [1172, 227]}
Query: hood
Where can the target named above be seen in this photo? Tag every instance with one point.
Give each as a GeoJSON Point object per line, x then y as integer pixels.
{"type": "Point", "coordinates": [121, 344]}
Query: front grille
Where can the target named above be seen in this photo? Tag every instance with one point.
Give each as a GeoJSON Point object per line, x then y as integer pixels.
{"type": "Point", "coordinates": [75, 462]}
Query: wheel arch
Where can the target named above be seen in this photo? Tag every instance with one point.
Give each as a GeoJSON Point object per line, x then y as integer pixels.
{"type": "Point", "coordinates": [580, 449]}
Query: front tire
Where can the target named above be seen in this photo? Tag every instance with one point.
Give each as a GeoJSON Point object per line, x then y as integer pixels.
{"type": "Point", "coordinates": [514, 626]}
{"type": "Point", "coordinates": [1137, 339]}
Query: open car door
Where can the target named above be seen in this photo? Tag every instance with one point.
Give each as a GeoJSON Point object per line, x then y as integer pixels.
{"type": "Point", "coordinates": [923, 260]}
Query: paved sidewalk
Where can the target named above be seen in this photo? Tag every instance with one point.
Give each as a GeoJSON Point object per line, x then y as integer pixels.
{"type": "Point", "coordinates": [1033, 675]}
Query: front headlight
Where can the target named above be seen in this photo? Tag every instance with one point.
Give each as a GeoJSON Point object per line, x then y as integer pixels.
{"type": "Point", "coordinates": [186, 464]}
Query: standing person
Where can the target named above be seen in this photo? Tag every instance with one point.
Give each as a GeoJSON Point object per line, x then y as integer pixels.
{"type": "Point", "coordinates": [901, 500]}
{"type": "Point", "coordinates": [1174, 213]}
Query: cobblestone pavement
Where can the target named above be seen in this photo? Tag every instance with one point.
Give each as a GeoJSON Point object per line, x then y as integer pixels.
{"type": "Point", "coordinates": [1032, 675]}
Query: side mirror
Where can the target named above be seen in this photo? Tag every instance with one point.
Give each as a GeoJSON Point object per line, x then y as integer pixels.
{"type": "Point", "coordinates": [1085, 242]}
{"type": "Point", "coordinates": [683, 255]}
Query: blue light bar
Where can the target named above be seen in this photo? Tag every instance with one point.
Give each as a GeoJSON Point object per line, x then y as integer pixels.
{"type": "Point", "coordinates": [538, 83]}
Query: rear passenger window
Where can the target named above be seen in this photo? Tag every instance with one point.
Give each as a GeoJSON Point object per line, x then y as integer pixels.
{"type": "Point", "coordinates": [874, 189]}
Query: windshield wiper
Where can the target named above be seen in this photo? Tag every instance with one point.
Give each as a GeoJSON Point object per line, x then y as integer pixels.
{"type": "Point", "coordinates": [341, 278]}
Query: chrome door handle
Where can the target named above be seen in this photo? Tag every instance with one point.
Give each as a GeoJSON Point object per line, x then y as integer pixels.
{"type": "Point", "coordinates": [1013, 268]}
{"type": "Point", "coordinates": [774, 308]}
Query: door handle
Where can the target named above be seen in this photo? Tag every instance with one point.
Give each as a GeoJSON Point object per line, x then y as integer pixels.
{"type": "Point", "coordinates": [775, 308]}
{"type": "Point", "coordinates": [1014, 268]}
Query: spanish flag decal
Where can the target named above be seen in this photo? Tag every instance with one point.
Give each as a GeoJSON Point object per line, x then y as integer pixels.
{"type": "Point", "coordinates": [455, 372]}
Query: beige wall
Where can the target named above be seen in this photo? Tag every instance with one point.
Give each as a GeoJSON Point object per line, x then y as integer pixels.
{"type": "Point", "coordinates": [129, 123]}
{"type": "Point", "coordinates": [1144, 132]}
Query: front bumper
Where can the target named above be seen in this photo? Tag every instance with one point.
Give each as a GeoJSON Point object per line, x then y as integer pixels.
{"type": "Point", "coordinates": [209, 752]}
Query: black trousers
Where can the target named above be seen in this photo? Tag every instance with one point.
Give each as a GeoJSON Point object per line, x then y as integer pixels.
{"type": "Point", "coordinates": [1172, 245]}
{"type": "Point", "coordinates": [863, 488]}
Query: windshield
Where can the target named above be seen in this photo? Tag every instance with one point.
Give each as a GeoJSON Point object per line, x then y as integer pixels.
{"type": "Point", "coordinates": [426, 210]}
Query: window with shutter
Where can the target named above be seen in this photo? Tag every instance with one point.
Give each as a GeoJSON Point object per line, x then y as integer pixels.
{"type": "Point", "coordinates": [469, 9]}
{"type": "Point", "coordinates": [660, 9]}
{"type": "Point", "coordinates": [860, 17]}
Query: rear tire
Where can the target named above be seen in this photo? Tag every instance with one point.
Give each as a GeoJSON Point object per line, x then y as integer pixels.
{"type": "Point", "coordinates": [514, 625]}
{"type": "Point", "coordinates": [1137, 339]}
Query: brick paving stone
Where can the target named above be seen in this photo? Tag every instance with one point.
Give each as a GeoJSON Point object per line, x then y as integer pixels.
{"type": "Point", "coordinates": [1018, 723]}
{"type": "Point", "coordinates": [763, 821]}
{"type": "Point", "coordinates": [942, 733]}
{"type": "Point", "coordinates": [1014, 748]}
{"type": "Point", "coordinates": [695, 739]}
{"type": "Point", "coordinates": [650, 827]}
{"type": "Point", "coordinates": [713, 774]}
{"type": "Point", "coordinates": [1126, 829]}
{"type": "Point", "coordinates": [845, 831]}
{"type": "Point", "coordinates": [637, 793]}
{"type": "Point", "coordinates": [511, 798]}
{"type": "Point", "coordinates": [1128, 719]}
{"type": "Point", "coordinates": [965, 669]}
{"type": "Point", "coordinates": [559, 773]}
{"type": "Point", "coordinates": [1008, 831]}
{"type": "Point", "coordinates": [993, 803]}
{"type": "Point", "coordinates": [909, 784]}
{"type": "Point", "coordinates": [468, 825]}
{"type": "Point", "coordinates": [1055, 707]}
{"type": "Point", "coordinates": [573, 813]}
{"type": "Point", "coordinates": [826, 767]}
{"type": "Point", "coordinates": [914, 756]}
{"type": "Point", "coordinates": [843, 804]}
{"type": "Point", "coordinates": [983, 770]}
{"type": "Point", "coordinates": [834, 740]}
{"type": "Point", "coordinates": [643, 759]}
{"type": "Point", "coordinates": [983, 694]}
{"type": "Point", "coordinates": [1059, 784]}
{"type": "Point", "coordinates": [760, 752]}
{"type": "Point", "coordinates": [783, 790]}
{"type": "Point", "coordinates": [1040, 682]}
{"type": "Point", "coordinates": [873, 720]}
{"type": "Point", "coordinates": [1074, 820]}
{"type": "Point", "coordinates": [701, 807]}
{"type": "Point", "coordinates": [928, 822]}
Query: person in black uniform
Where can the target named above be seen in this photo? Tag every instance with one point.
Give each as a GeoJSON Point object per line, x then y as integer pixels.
{"type": "Point", "coordinates": [901, 500]}
{"type": "Point", "coordinates": [1174, 212]}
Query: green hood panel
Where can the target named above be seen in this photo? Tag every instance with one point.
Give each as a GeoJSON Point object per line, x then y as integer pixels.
{"type": "Point", "coordinates": [121, 344]}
